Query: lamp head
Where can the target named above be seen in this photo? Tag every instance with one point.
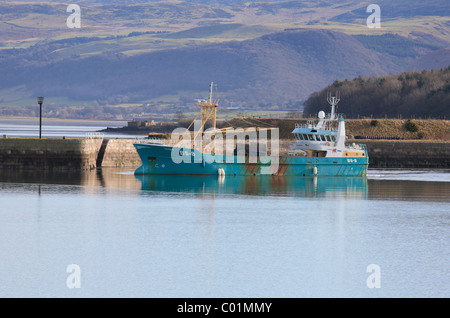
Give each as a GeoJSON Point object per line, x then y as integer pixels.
{"type": "Point", "coordinates": [40, 99]}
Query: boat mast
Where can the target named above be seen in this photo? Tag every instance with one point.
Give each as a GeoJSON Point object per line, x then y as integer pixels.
{"type": "Point", "coordinates": [333, 101]}
{"type": "Point", "coordinates": [209, 109]}
{"type": "Point", "coordinates": [207, 112]}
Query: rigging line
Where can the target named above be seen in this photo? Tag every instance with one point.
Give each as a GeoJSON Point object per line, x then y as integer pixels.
{"type": "Point", "coordinates": [194, 120]}
{"type": "Point", "coordinates": [203, 124]}
{"type": "Point", "coordinates": [248, 122]}
{"type": "Point", "coordinates": [270, 126]}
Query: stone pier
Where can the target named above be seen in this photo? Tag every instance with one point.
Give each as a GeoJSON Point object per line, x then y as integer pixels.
{"type": "Point", "coordinates": [49, 154]}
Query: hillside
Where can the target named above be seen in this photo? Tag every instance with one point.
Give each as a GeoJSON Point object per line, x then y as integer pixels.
{"type": "Point", "coordinates": [419, 94]}
{"type": "Point", "coordinates": [268, 72]}
{"type": "Point", "coordinates": [137, 58]}
{"type": "Point", "coordinates": [273, 69]}
{"type": "Point", "coordinates": [433, 60]}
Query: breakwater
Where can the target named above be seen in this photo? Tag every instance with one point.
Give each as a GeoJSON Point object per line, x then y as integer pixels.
{"type": "Point", "coordinates": [66, 154]}
{"type": "Point", "coordinates": [119, 153]}
{"type": "Point", "coordinates": [48, 154]}
{"type": "Point", "coordinates": [86, 154]}
{"type": "Point", "coordinates": [408, 154]}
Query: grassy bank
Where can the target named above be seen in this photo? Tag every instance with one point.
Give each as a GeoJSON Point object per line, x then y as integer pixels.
{"type": "Point", "coordinates": [419, 130]}
{"type": "Point", "coordinates": [428, 129]}
{"type": "Point", "coordinates": [431, 129]}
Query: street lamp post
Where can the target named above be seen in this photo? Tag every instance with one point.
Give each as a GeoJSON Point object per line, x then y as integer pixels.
{"type": "Point", "coordinates": [40, 100]}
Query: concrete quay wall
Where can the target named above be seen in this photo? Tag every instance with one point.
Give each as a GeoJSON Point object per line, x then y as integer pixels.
{"type": "Point", "coordinates": [407, 154]}
{"type": "Point", "coordinates": [48, 154]}
{"type": "Point", "coordinates": [119, 153]}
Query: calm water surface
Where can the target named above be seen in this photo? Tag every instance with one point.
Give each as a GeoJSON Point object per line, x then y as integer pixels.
{"type": "Point", "coordinates": [233, 237]}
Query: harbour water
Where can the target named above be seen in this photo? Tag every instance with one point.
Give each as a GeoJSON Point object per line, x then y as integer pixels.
{"type": "Point", "coordinates": [157, 236]}
{"type": "Point", "coordinates": [161, 236]}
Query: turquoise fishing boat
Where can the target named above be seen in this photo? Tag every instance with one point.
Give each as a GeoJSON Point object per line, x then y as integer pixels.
{"type": "Point", "coordinates": [320, 149]}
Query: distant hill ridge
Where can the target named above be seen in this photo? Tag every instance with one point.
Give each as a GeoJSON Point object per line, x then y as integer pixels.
{"type": "Point", "coordinates": [270, 70]}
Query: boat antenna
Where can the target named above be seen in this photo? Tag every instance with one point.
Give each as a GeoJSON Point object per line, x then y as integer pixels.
{"type": "Point", "coordinates": [211, 86]}
{"type": "Point", "coordinates": [333, 101]}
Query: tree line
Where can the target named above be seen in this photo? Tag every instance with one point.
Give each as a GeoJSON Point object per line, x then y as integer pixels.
{"type": "Point", "coordinates": [424, 94]}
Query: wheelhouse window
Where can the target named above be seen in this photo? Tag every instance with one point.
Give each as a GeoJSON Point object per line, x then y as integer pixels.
{"type": "Point", "coordinates": [311, 137]}
{"type": "Point", "coordinates": [328, 137]}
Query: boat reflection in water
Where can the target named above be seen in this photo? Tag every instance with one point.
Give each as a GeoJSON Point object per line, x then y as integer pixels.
{"type": "Point", "coordinates": [258, 185]}
{"type": "Point", "coordinates": [123, 181]}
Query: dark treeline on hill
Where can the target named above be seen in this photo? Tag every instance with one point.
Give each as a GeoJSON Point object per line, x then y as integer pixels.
{"type": "Point", "coordinates": [409, 94]}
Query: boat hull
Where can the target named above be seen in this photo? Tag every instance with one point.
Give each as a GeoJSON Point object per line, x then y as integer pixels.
{"type": "Point", "coordinates": [157, 159]}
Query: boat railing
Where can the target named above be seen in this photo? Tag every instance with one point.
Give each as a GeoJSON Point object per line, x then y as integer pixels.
{"type": "Point", "coordinates": [205, 102]}
{"type": "Point", "coordinates": [304, 126]}
{"type": "Point", "coordinates": [336, 116]}
{"type": "Point", "coordinates": [311, 126]}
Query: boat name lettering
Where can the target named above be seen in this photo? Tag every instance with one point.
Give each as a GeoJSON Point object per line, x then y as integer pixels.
{"type": "Point", "coordinates": [186, 153]}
